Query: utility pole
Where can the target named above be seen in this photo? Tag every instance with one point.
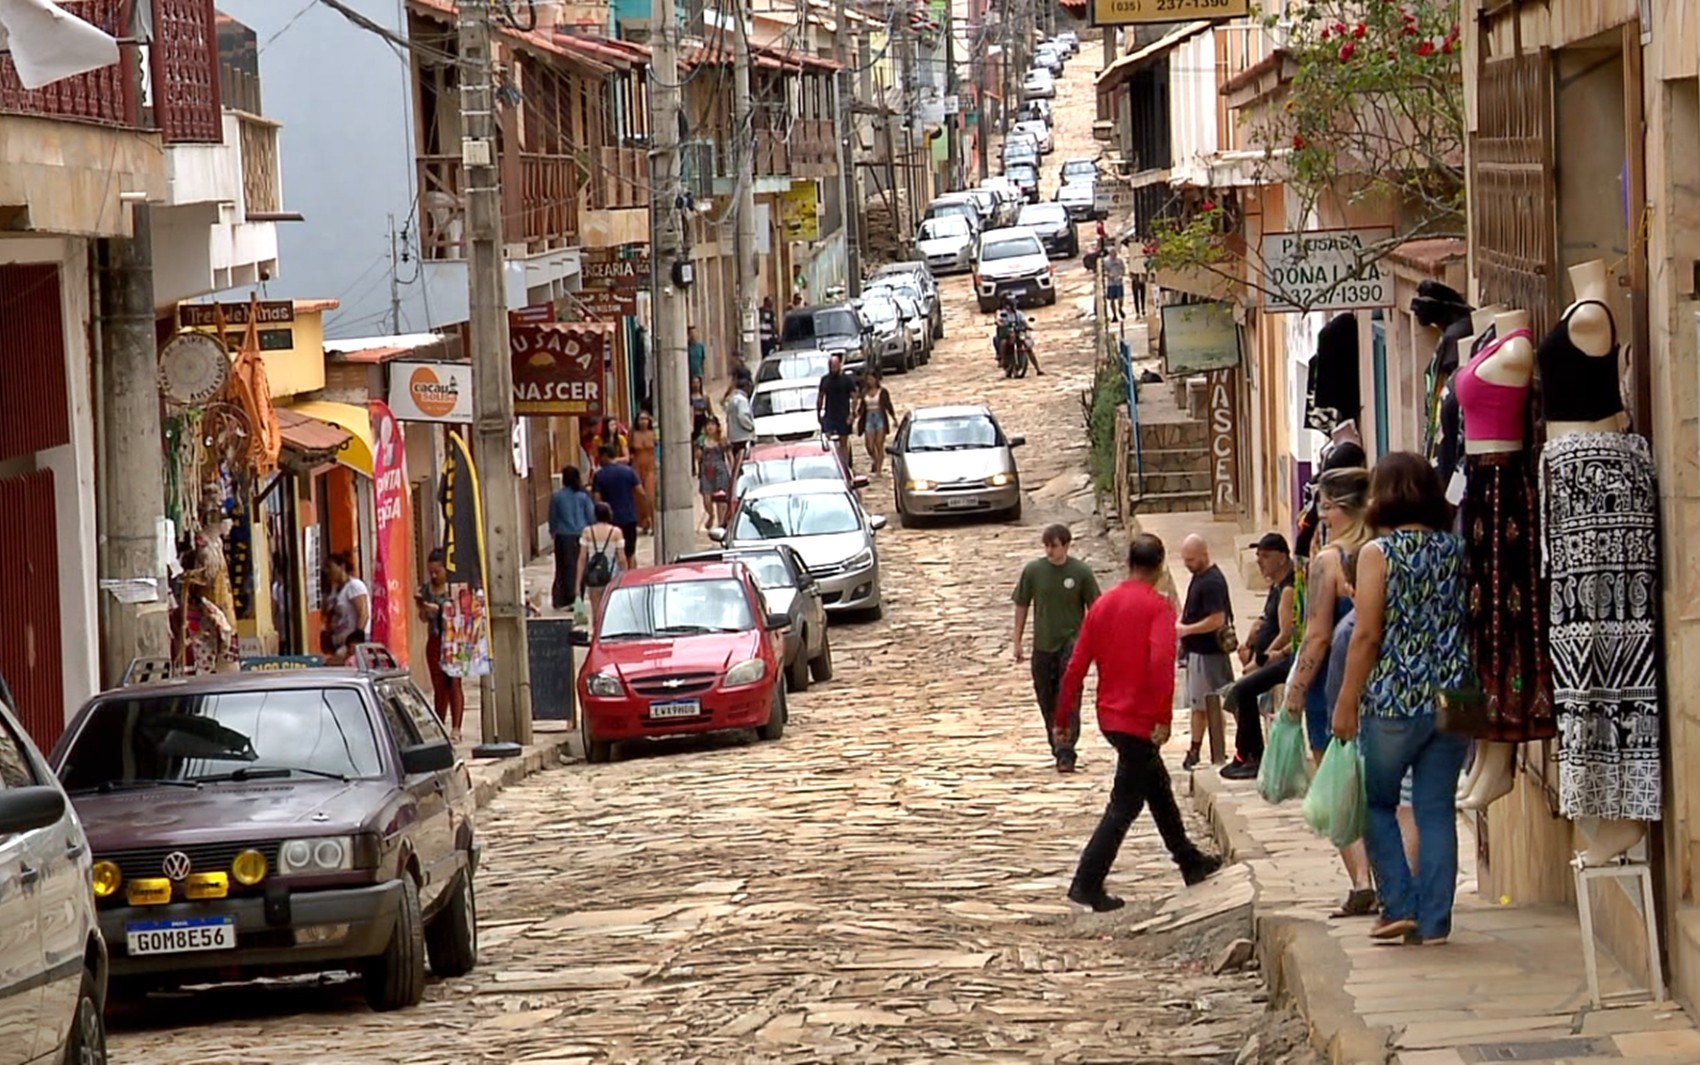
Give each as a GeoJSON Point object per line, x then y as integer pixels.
{"type": "Point", "coordinates": [849, 180]}
{"type": "Point", "coordinates": [506, 708]}
{"type": "Point", "coordinates": [749, 334]}
{"type": "Point", "coordinates": [395, 284]}
{"type": "Point", "coordinates": [677, 517]}
{"type": "Point", "coordinates": [132, 466]}
{"type": "Point", "coordinates": [977, 75]}
{"type": "Point", "coordinates": [952, 90]}
{"type": "Point", "coordinates": [1006, 64]}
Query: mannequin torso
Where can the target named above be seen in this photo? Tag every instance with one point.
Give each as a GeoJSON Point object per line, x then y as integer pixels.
{"type": "Point", "coordinates": [1588, 326]}
{"type": "Point", "coordinates": [1493, 388]}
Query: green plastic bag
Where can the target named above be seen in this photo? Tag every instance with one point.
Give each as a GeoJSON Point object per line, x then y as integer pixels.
{"type": "Point", "coordinates": [581, 613]}
{"type": "Point", "coordinates": [1284, 772]}
{"type": "Point", "coordinates": [1335, 806]}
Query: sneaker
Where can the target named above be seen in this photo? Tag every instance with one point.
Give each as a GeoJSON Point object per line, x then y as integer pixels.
{"type": "Point", "coordinates": [1103, 902]}
{"type": "Point", "coordinates": [1238, 770]}
{"type": "Point", "coordinates": [1065, 765]}
{"type": "Point", "coordinates": [1202, 870]}
{"type": "Point", "coordinates": [1191, 759]}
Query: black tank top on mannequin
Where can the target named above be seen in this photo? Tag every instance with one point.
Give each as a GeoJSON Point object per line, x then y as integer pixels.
{"type": "Point", "coordinates": [1577, 386]}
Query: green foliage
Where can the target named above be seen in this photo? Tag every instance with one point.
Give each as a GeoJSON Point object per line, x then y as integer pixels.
{"type": "Point", "coordinates": [1109, 392]}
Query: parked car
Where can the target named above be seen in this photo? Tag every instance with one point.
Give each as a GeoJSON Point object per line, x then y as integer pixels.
{"type": "Point", "coordinates": [806, 364]}
{"type": "Point", "coordinates": [954, 460]}
{"type": "Point", "coordinates": [785, 409]}
{"type": "Point", "coordinates": [914, 277]}
{"type": "Point", "coordinates": [689, 647]}
{"type": "Point", "coordinates": [1013, 261]}
{"type": "Point", "coordinates": [1078, 170]}
{"type": "Point", "coordinates": [893, 348]}
{"type": "Point", "coordinates": [915, 320]}
{"type": "Point", "coordinates": [53, 960]}
{"type": "Point", "coordinates": [1038, 85]}
{"type": "Point", "coordinates": [1023, 148]}
{"type": "Point", "coordinates": [947, 244]}
{"type": "Point", "coordinates": [1041, 131]}
{"type": "Point", "coordinates": [1069, 40]}
{"type": "Point", "coordinates": [1026, 178]}
{"type": "Point", "coordinates": [835, 328]}
{"type": "Point", "coordinates": [987, 201]}
{"type": "Point", "coordinates": [1079, 199]}
{"type": "Point", "coordinates": [1010, 198]}
{"type": "Point", "coordinates": [1055, 228]}
{"type": "Point", "coordinates": [828, 527]}
{"type": "Point", "coordinates": [954, 203]}
{"type": "Point", "coordinates": [1037, 108]}
{"type": "Point", "coordinates": [257, 824]}
{"type": "Point", "coordinates": [1048, 59]}
{"type": "Point", "coordinates": [803, 460]}
{"type": "Point", "coordinates": [789, 589]}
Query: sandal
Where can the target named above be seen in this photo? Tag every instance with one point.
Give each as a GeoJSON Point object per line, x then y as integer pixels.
{"type": "Point", "coordinates": [1393, 928]}
{"type": "Point", "coordinates": [1360, 902]}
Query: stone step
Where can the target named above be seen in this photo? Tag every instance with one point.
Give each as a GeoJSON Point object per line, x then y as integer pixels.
{"type": "Point", "coordinates": [1191, 433]}
{"type": "Point", "coordinates": [1172, 460]}
{"type": "Point", "coordinates": [1181, 482]}
{"type": "Point", "coordinates": [1170, 502]}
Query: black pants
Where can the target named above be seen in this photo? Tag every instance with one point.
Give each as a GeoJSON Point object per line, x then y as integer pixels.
{"type": "Point", "coordinates": [1137, 285]}
{"type": "Point", "coordinates": [1048, 667]}
{"type": "Point", "coordinates": [1248, 735]}
{"type": "Point", "coordinates": [564, 593]}
{"type": "Point", "coordinates": [1141, 780]}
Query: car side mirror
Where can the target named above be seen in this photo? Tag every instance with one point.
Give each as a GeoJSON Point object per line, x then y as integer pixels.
{"type": "Point", "coordinates": [859, 481]}
{"type": "Point", "coordinates": [427, 758]}
{"type": "Point", "coordinates": [1017, 441]}
{"type": "Point", "coordinates": [776, 622]}
{"type": "Point", "coordinates": [717, 534]}
{"type": "Point", "coordinates": [877, 522]}
{"type": "Point", "coordinates": [27, 809]}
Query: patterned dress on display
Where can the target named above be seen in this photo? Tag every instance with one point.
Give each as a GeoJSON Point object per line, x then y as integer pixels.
{"type": "Point", "coordinates": [1599, 518]}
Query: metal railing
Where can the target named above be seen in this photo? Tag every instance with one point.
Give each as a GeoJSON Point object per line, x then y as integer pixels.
{"type": "Point", "coordinates": [109, 96]}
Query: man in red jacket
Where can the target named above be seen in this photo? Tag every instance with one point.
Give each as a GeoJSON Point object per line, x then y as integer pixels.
{"type": "Point", "coordinates": [1130, 634]}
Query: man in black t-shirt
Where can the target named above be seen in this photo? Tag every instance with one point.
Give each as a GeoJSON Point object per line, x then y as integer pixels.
{"type": "Point", "coordinates": [832, 405]}
{"type": "Point", "coordinates": [1269, 646]}
{"type": "Point", "coordinates": [1207, 612]}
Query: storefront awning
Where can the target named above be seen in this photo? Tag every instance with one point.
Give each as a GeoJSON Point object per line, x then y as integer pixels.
{"type": "Point", "coordinates": [350, 422]}
{"type": "Point", "coordinates": [1125, 67]}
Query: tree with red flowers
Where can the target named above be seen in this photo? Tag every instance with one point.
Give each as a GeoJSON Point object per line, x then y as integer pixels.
{"type": "Point", "coordinates": [1373, 113]}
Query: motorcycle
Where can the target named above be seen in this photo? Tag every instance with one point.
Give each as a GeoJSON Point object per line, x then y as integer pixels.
{"type": "Point", "coordinates": [1015, 354]}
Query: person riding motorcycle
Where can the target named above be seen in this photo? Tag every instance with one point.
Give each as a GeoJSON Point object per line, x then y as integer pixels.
{"type": "Point", "coordinates": [1011, 325]}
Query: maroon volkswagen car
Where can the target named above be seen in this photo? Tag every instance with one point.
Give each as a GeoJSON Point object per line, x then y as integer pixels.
{"type": "Point", "coordinates": [268, 823]}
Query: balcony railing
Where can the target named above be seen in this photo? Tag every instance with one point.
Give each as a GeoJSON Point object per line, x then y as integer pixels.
{"type": "Point", "coordinates": [107, 97]}
{"type": "Point", "coordinates": [812, 141]}
{"type": "Point", "coordinates": [539, 203]}
{"type": "Point", "coordinates": [773, 154]}
{"type": "Point", "coordinates": [184, 57]}
{"type": "Point", "coordinates": [619, 178]}
{"type": "Point", "coordinates": [260, 184]}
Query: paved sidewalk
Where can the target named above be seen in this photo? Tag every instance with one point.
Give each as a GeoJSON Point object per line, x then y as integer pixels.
{"type": "Point", "coordinates": [1509, 986]}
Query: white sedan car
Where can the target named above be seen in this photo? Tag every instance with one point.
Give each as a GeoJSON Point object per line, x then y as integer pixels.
{"type": "Point", "coordinates": [826, 525]}
{"type": "Point", "coordinates": [785, 409]}
{"type": "Point", "coordinates": [1038, 85]}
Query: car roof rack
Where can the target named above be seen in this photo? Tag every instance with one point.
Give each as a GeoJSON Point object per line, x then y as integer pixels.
{"type": "Point", "coordinates": [373, 657]}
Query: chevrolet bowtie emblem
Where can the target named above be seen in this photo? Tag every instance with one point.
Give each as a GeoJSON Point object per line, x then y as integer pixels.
{"type": "Point", "coordinates": [672, 682]}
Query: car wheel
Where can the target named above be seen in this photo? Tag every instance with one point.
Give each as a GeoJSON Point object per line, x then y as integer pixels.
{"type": "Point", "coordinates": [395, 979]}
{"type": "Point", "coordinates": [821, 664]}
{"type": "Point", "coordinates": [902, 365]}
{"type": "Point", "coordinates": [87, 1042]}
{"type": "Point", "coordinates": [775, 727]}
{"type": "Point", "coordinates": [596, 751]}
{"type": "Point", "coordinates": [451, 939]}
{"type": "Point", "coordinates": [938, 328]}
{"type": "Point", "coordinates": [1074, 247]}
{"type": "Point", "coordinates": [904, 518]}
{"type": "Point", "coordinates": [1015, 511]}
{"type": "Point", "coordinates": [987, 306]}
{"type": "Point", "coordinates": [874, 613]}
{"type": "Point", "coordinates": [1051, 298]}
{"type": "Point", "coordinates": [797, 674]}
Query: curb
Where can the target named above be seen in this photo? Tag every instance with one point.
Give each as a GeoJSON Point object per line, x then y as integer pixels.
{"type": "Point", "coordinates": [1302, 962]}
{"type": "Point", "coordinates": [490, 779]}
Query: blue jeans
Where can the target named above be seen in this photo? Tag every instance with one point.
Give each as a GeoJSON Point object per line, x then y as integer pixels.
{"type": "Point", "coordinates": [1389, 746]}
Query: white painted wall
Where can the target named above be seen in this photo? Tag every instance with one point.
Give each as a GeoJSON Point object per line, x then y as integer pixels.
{"type": "Point", "coordinates": [1192, 109]}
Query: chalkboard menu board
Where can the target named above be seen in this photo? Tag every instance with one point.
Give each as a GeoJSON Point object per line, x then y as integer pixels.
{"type": "Point", "coordinates": [553, 672]}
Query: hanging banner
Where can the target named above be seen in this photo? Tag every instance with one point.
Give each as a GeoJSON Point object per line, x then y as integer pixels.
{"type": "Point", "coordinates": [394, 528]}
{"type": "Point", "coordinates": [431, 391]}
{"type": "Point", "coordinates": [798, 211]}
{"type": "Point", "coordinates": [558, 368]}
{"type": "Point", "coordinates": [466, 628]}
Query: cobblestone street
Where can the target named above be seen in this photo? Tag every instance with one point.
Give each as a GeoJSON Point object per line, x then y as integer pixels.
{"type": "Point", "coordinates": [885, 884]}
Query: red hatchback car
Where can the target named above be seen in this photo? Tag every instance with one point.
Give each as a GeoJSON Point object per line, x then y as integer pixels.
{"type": "Point", "coordinates": [683, 648]}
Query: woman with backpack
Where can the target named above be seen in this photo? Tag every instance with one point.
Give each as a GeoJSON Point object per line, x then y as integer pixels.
{"type": "Point", "coordinates": [601, 548]}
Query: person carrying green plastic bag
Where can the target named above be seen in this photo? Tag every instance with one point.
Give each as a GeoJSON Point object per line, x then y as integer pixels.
{"type": "Point", "coordinates": [1335, 806]}
{"type": "Point", "coordinates": [1284, 772]}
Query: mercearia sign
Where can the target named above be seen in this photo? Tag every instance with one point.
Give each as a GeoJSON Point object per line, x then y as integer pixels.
{"type": "Point", "coordinates": [1325, 270]}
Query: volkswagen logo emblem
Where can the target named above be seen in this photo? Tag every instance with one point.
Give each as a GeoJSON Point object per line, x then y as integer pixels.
{"type": "Point", "coordinates": [176, 865]}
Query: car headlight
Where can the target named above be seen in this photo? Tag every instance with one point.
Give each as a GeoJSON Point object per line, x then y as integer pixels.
{"type": "Point", "coordinates": [746, 673]}
{"type": "Point", "coordinates": [998, 480]}
{"type": "Point", "coordinates": [605, 685]}
{"type": "Point", "coordinates": [325, 854]}
{"type": "Point", "coordinates": [861, 560]}
{"type": "Point", "coordinates": [920, 485]}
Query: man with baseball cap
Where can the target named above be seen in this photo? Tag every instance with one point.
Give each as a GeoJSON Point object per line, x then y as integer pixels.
{"type": "Point", "coordinates": [1269, 646]}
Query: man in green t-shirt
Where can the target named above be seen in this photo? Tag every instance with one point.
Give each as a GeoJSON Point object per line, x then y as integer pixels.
{"type": "Point", "coordinates": [1058, 589]}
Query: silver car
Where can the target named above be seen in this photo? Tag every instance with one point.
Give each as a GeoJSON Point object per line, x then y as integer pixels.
{"type": "Point", "coordinates": [827, 526]}
{"type": "Point", "coordinates": [954, 460]}
{"type": "Point", "coordinates": [946, 243]}
{"type": "Point", "coordinates": [785, 409]}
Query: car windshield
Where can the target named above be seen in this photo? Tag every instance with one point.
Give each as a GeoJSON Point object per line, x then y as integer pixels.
{"type": "Point", "coordinates": [675, 608]}
{"type": "Point", "coordinates": [1043, 214]}
{"type": "Point", "coordinates": [139, 740]}
{"type": "Point", "coordinates": [1010, 248]}
{"type": "Point", "coordinates": [811, 514]}
{"type": "Point", "coordinates": [780, 471]}
{"type": "Point", "coordinates": [783, 401]}
{"type": "Point", "coordinates": [882, 311]}
{"type": "Point", "coordinates": [836, 323]}
{"type": "Point", "coordinates": [1079, 167]}
{"type": "Point", "coordinates": [957, 433]}
{"type": "Point", "coordinates": [793, 368]}
{"type": "Point", "coordinates": [1026, 175]}
{"type": "Point", "coordinates": [944, 226]}
{"type": "Point", "coordinates": [769, 570]}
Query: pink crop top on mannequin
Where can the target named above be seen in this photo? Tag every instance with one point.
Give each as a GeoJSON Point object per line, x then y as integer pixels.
{"type": "Point", "coordinates": [1492, 411]}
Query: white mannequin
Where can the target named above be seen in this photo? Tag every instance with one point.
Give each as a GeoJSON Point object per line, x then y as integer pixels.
{"type": "Point", "coordinates": [1590, 329]}
{"type": "Point", "coordinates": [1512, 364]}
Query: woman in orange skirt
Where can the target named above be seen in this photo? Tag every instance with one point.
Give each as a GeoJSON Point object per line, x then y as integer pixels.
{"type": "Point", "coordinates": [642, 444]}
